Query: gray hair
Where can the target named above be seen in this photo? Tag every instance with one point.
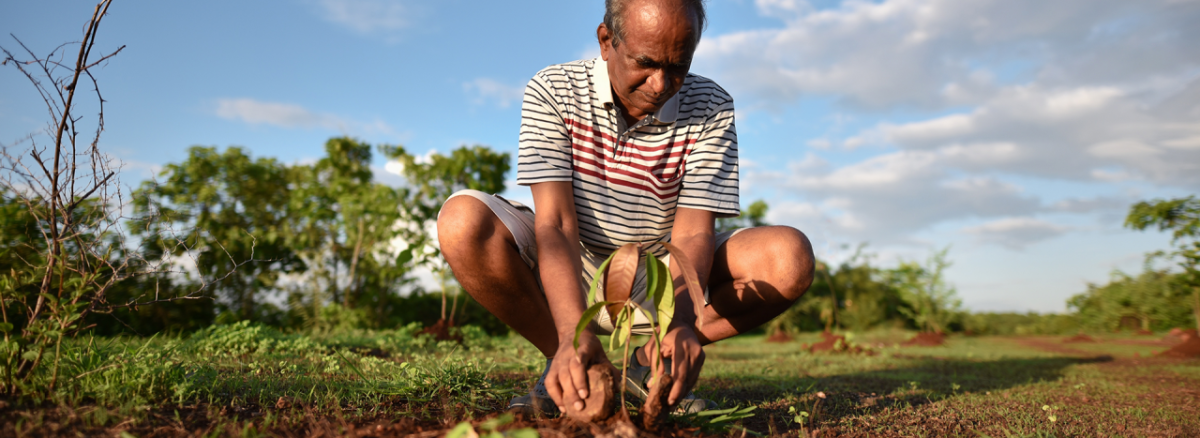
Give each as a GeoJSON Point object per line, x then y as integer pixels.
{"type": "Point", "coordinates": [614, 17]}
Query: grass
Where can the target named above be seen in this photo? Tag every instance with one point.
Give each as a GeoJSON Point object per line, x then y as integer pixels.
{"type": "Point", "coordinates": [245, 380]}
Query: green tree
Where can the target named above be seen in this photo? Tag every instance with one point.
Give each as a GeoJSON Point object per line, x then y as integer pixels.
{"type": "Point", "coordinates": [343, 223]}
{"type": "Point", "coordinates": [431, 180]}
{"type": "Point", "coordinates": [753, 216]}
{"type": "Point", "coordinates": [226, 215]}
{"type": "Point", "coordinates": [1182, 217]}
{"type": "Point", "coordinates": [1152, 299]}
{"type": "Point", "coordinates": [932, 304]}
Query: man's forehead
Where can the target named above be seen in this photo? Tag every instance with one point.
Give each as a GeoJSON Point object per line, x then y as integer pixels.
{"type": "Point", "coordinates": [659, 19]}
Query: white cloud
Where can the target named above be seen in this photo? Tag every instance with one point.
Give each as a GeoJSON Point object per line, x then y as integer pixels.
{"type": "Point", "coordinates": [368, 16]}
{"type": "Point", "coordinates": [1016, 232]}
{"type": "Point", "coordinates": [485, 90]}
{"type": "Point", "coordinates": [286, 115]}
{"type": "Point", "coordinates": [934, 53]}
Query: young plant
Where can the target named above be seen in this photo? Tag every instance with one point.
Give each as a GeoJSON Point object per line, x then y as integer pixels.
{"type": "Point", "coordinates": [619, 272]}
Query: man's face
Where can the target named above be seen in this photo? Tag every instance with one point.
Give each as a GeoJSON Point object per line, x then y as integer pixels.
{"type": "Point", "coordinates": [649, 66]}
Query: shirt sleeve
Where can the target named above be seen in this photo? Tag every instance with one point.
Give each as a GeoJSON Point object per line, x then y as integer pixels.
{"type": "Point", "coordinates": [710, 180]}
{"type": "Point", "coordinates": [544, 144]}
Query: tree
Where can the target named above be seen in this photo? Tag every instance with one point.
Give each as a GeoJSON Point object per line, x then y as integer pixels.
{"type": "Point", "coordinates": [1151, 300]}
{"type": "Point", "coordinates": [932, 304]}
{"type": "Point", "coordinates": [753, 216]}
{"type": "Point", "coordinates": [231, 213]}
{"type": "Point", "coordinates": [431, 180]}
{"type": "Point", "coordinates": [1182, 217]}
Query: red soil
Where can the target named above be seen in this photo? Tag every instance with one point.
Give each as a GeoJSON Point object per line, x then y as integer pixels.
{"type": "Point", "coordinates": [1189, 348]}
{"type": "Point", "coordinates": [1079, 338]}
{"type": "Point", "coordinates": [926, 339]}
{"type": "Point", "coordinates": [1179, 335]}
{"type": "Point", "coordinates": [440, 330]}
{"type": "Point", "coordinates": [779, 336]}
{"type": "Point", "coordinates": [829, 344]}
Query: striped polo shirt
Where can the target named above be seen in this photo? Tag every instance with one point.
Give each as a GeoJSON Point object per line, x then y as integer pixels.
{"type": "Point", "coordinates": [628, 180]}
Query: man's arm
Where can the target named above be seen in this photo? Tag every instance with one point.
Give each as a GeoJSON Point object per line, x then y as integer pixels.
{"type": "Point", "coordinates": [693, 234]}
{"type": "Point", "coordinates": [557, 233]}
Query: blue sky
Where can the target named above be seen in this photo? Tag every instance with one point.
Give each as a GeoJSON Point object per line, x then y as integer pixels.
{"type": "Point", "coordinates": [1015, 131]}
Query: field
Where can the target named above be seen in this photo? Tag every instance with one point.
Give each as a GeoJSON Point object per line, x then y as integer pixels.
{"type": "Point", "coordinates": [245, 380]}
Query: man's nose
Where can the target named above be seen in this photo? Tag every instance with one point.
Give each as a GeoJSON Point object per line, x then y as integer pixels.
{"type": "Point", "coordinates": [657, 81]}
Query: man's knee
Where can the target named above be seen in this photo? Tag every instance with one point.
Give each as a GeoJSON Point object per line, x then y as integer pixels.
{"type": "Point", "coordinates": [464, 222]}
{"type": "Point", "coordinates": [789, 262]}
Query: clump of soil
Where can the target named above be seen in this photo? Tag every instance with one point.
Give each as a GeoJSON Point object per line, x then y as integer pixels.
{"type": "Point", "coordinates": [440, 330]}
{"type": "Point", "coordinates": [1179, 335]}
{"type": "Point", "coordinates": [836, 344]}
{"type": "Point", "coordinates": [654, 412]}
{"type": "Point", "coordinates": [779, 336]}
{"type": "Point", "coordinates": [602, 399]}
{"type": "Point", "coordinates": [1079, 338]}
{"type": "Point", "coordinates": [926, 339]}
{"type": "Point", "coordinates": [829, 344]}
{"type": "Point", "coordinates": [1186, 349]}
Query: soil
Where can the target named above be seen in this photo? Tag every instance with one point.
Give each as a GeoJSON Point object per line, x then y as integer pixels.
{"type": "Point", "coordinates": [926, 339]}
{"type": "Point", "coordinates": [440, 330]}
{"type": "Point", "coordinates": [1188, 348]}
{"type": "Point", "coordinates": [1179, 335]}
{"type": "Point", "coordinates": [602, 395]}
{"type": "Point", "coordinates": [656, 409]}
{"type": "Point", "coordinates": [829, 344]}
{"type": "Point", "coordinates": [779, 336]}
{"type": "Point", "coordinates": [1144, 332]}
{"type": "Point", "coordinates": [1079, 338]}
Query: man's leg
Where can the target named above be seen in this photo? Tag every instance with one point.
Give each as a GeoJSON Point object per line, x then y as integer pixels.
{"type": "Point", "coordinates": [756, 275]}
{"type": "Point", "coordinates": [487, 263]}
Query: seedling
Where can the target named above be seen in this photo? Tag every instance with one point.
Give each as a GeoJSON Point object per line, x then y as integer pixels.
{"type": "Point", "coordinates": [619, 272]}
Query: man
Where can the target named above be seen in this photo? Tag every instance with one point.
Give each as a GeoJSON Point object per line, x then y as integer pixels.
{"type": "Point", "coordinates": [628, 147]}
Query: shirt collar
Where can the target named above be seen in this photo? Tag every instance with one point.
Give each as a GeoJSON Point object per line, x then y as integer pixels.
{"type": "Point", "coordinates": [667, 114]}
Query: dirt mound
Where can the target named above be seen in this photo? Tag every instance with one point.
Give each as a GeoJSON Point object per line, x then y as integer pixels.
{"type": "Point", "coordinates": [440, 330]}
{"type": "Point", "coordinates": [1189, 348]}
{"type": "Point", "coordinates": [829, 344]}
{"type": "Point", "coordinates": [779, 336]}
{"type": "Point", "coordinates": [926, 339]}
{"type": "Point", "coordinates": [1179, 335]}
{"type": "Point", "coordinates": [836, 344]}
{"type": "Point", "coordinates": [1079, 338]}
{"type": "Point", "coordinates": [1144, 332]}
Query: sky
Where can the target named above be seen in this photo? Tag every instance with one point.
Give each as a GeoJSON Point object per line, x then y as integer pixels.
{"type": "Point", "coordinates": [1015, 132]}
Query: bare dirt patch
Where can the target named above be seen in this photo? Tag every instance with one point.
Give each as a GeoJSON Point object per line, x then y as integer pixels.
{"type": "Point", "coordinates": [926, 339]}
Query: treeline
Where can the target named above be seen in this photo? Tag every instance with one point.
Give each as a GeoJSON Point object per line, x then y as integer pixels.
{"type": "Point", "coordinates": [311, 245]}
{"type": "Point", "coordinates": [857, 295]}
{"type": "Point", "coordinates": [325, 245]}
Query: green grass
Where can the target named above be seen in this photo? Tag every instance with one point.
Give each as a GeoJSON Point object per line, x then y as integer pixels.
{"type": "Point", "coordinates": [242, 379]}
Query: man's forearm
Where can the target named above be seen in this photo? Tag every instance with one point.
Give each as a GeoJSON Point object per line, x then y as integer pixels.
{"type": "Point", "coordinates": [560, 267]}
{"type": "Point", "coordinates": [699, 250]}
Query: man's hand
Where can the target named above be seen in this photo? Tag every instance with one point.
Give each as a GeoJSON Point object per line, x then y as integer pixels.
{"type": "Point", "coordinates": [567, 381]}
{"type": "Point", "coordinates": [687, 359]}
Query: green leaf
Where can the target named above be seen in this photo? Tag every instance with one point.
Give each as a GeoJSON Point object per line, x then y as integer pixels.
{"type": "Point", "coordinates": [495, 423]}
{"type": "Point", "coordinates": [5, 327]}
{"type": "Point", "coordinates": [523, 433]}
{"type": "Point", "coordinates": [622, 328]}
{"type": "Point", "coordinates": [405, 256]}
{"type": "Point", "coordinates": [586, 318]}
{"type": "Point", "coordinates": [591, 297]}
{"type": "Point", "coordinates": [652, 289]}
{"type": "Point", "coordinates": [462, 430]}
{"type": "Point", "coordinates": [664, 301]}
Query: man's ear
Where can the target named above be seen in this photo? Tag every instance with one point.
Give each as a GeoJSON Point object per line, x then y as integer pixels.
{"type": "Point", "coordinates": [604, 37]}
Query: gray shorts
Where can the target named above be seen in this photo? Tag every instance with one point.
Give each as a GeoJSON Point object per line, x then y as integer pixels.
{"type": "Point", "coordinates": [519, 220]}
